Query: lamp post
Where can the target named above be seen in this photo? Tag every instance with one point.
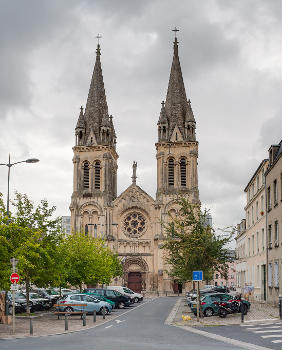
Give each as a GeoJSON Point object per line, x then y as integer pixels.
{"type": "Point", "coordinates": [9, 165]}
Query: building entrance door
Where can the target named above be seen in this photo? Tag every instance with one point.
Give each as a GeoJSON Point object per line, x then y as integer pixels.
{"type": "Point", "coordinates": [135, 281]}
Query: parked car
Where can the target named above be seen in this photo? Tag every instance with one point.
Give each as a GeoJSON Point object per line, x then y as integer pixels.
{"type": "Point", "coordinates": [209, 303]}
{"type": "Point", "coordinates": [192, 295]}
{"type": "Point", "coordinates": [128, 292]}
{"type": "Point", "coordinates": [38, 302]}
{"type": "Point", "coordinates": [92, 304]}
{"type": "Point", "coordinates": [20, 299]}
{"type": "Point", "coordinates": [43, 293]}
{"type": "Point", "coordinates": [89, 291]}
{"type": "Point", "coordinates": [19, 307]}
{"type": "Point", "coordinates": [120, 300]}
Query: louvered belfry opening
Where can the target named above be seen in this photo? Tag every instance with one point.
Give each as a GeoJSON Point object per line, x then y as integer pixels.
{"type": "Point", "coordinates": [183, 171]}
{"type": "Point", "coordinates": [171, 172]}
{"type": "Point", "coordinates": [86, 175]}
{"type": "Point", "coordinates": [97, 171]}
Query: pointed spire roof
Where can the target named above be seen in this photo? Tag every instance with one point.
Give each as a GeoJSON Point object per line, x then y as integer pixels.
{"type": "Point", "coordinates": [80, 122]}
{"type": "Point", "coordinates": [163, 118]}
{"type": "Point", "coordinates": [96, 109]}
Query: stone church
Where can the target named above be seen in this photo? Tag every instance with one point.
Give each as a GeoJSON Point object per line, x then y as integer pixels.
{"type": "Point", "coordinates": [131, 223]}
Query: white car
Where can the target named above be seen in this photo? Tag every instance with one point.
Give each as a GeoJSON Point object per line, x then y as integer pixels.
{"type": "Point", "coordinates": [136, 297]}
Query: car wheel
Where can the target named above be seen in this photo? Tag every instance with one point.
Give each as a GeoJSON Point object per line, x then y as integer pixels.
{"type": "Point", "coordinates": [208, 312]}
{"type": "Point", "coordinates": [121, 305]}
{"type": "Point", "coordinates": [222, 313]}
{"type": "Point", "coordinates": [68, 309]}
{"type": "Point", "coordinates": [136, 300]}
{"type": "Point", "coordinates": [106, 311]}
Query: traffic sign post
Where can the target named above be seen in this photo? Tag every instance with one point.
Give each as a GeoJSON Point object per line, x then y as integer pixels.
{"type": "Point", "coordinates": [14, 278]}
{"type": "Point", "coordinates": [197, 277]}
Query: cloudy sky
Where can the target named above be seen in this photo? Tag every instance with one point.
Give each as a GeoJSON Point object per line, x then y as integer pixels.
{"type": "Point", "coordinates": [230, 53]}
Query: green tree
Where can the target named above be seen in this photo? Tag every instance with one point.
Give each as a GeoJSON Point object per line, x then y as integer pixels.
{"type": "Point", "coordinates": [192, 245]}
{"type": "Point", "coordinates": [33, 237]}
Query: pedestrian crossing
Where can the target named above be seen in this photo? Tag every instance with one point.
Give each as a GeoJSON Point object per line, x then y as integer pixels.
{"type": "Point", "coordinates": [271, 331]}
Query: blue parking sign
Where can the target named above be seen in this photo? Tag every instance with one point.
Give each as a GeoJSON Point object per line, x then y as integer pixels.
{"type": "Point", "coordinates": [197, 275]}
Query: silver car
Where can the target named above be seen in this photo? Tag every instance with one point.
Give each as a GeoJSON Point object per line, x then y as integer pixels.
{"type": "Point", "coordinates": [91, 304]}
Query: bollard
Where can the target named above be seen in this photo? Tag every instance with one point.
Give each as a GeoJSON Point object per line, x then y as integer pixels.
{"type": "Point", "coordinates": [94, 316]}
{"type": "Point", "coordinates": [84, 319]}
{"type": "Point", "coordinates": [66, 323]}
{"type": "Point", "coordinates": [104, 312]}
{"type": "Point", "coordinates": [30, 326]}
{"type": "Point", "coordinates": [280, 306]}
{"type": "Point", "coordinates": [166, 293]}
{"type": "Point", "coordinates": [242, 311]}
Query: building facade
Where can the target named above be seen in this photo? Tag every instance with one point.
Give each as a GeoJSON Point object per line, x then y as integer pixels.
{"type": "Point", "coordinates": [131, 222]}
{"type": "Point", "coordinates": [273, 185]}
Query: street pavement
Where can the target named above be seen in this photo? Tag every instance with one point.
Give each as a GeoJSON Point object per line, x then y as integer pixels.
{"type": "Point", "coordinates": [266, 334]}
{"type": "Point", "coordinates": [139, 328]}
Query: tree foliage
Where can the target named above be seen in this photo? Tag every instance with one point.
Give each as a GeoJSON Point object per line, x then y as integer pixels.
{"type": "Point", "coordinates": [190, 244]}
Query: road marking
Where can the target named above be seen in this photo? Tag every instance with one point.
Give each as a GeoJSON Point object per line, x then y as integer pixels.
{"type": "Point", "coordinates": [259, 324]}
{"type": "Point", "coordinates": [257, 328]}
{"type": "Point", "coordinates": [109, 326]}
{"type": "Point", "coordinates": [269, 331]}
{"type": "Point", "coordinates": [276, 341]}
{"type": "Point", "coordinates": [271, 336]}
{"type": "Point", "coordinates": [231, 341]}
{"type": "Point", "coordinates": [119, 321]}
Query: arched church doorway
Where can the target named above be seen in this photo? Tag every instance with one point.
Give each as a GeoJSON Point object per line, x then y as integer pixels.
{"type": "Point", "coordinates": [134, 281]}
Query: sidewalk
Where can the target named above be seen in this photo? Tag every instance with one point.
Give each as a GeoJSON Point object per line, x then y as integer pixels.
{"type": "Point", "coordinates": [48, 324]}
{"type": "Point", "coordinates": [257, 312]}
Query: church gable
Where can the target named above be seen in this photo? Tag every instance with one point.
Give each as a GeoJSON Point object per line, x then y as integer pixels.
{"type": "Point", "coordinates": [133, 196]}
{"type": "Point", "coordinates": [176, 135]}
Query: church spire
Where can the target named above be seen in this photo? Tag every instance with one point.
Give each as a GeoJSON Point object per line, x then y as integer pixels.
{"type": "Point", "coordinates": [177, 109]}
{"type": "Point", "coordinates": [96, 116]}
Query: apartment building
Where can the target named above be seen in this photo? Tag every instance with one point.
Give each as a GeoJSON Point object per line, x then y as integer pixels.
{"type": "Point", "coordinates": [252, 243]}
{"type": "Point", "coordinates": [273, 184]}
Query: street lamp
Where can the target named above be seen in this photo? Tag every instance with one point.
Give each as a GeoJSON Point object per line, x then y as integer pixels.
{"type": "Point", "coordinates": [9, 165]}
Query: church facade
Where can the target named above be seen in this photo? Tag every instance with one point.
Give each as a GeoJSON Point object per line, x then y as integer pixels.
{"type": "Point", "coordinates": [131, 223]}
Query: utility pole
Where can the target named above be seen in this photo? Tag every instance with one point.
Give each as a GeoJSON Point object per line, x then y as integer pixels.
{"type": "Point", "coordinates": [14, 287]}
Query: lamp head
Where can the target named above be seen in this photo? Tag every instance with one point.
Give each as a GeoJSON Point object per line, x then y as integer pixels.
{"type": "Point", "coordinates": [32, 160]}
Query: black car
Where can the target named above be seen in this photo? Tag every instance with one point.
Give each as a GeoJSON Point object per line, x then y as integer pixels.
{"type": "Point", "coordinates": [47, 295]}
{"type": "Point", "coordinates": [120, 300]}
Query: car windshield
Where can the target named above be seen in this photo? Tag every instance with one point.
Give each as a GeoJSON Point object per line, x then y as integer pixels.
{"type": "Point", "coordinates": [34, 296]}
{"type": "Point", "coordinates": [20, 295]}
{"type": "Point", "coordinates": [52, 292]}
{"type": "Point", "coordinates": [117, 293]}
{"type": "Point", "coordinates": [126, 290]}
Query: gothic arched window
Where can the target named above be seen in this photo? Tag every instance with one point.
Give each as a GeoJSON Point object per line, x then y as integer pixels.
{"type": "Point", "coordinates": [86, 175]}
{"type": "Point", "coordinates": [171, 172]}
{"type": "Point", "coordinates": [97, 173]}
{"type": "Point", "coordinates": [86, 230]}
{"type": "Point", "coordinates": [183, 171]}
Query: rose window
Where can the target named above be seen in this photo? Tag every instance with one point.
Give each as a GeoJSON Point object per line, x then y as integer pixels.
{"type": "Point", "coordinates": [134, 224]}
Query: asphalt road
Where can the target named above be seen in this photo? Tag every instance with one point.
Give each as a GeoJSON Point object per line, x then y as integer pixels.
{"type": "Point", "coordinates": [139, 328]}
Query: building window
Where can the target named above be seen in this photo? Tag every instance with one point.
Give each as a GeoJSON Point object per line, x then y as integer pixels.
{"type": "Point", "coordinates": [257, 211]}
{"type": "Point", "coordinates": [262, 238]}
{"type": "Point", "coordinates": [171, 172]}
{"type": "Point", "coordinates": [97, 172]}
{"type": "Point", "coordinates": [249, 194]}
{"type": "Point", "coordinates": [269, 275]}
{"type": "Point", "coordinates": [253, 244]}
{"type": "Point", "coordinates": [86, 230]}
{"type": "Point", "coordinates": [276, 274]}
{"type": "Point", "coordinates": [86, 175]}
{"type": "Point", "coordinates": [248, 219]}
{"type": "Point", "coordinates": [257, 241]}
{"type": "Point", "coordinates": [257, 183]}
{"type": "Point", "coordinates": [183, 171]}
{"type": "Point", "coordinates": [252, 215]}
{"type": "Point", "coordinates": [276, 231]}
{"type": "Point", "coordinates": [281, 186]}
{"type": "Point", "coordinates": [275, 192]}
{"type": "Point", "coordinates": [268, 198]}
{"type": "Point", "coordinates": [269, 236]}
{"type": "Point", "coordinates": [262, 204]}
{"type": "Point", "coordinates": [249, 246]}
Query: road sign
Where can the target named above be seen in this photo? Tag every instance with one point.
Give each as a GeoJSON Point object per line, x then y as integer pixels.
{"type": "Point", "coordinates": [197, 275]}
{"type": "Point", "coordinates": [14, 287]}
{"type": "Point", "coordinates": [14, 278]}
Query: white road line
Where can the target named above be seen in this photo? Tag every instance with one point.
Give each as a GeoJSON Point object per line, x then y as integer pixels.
{"type": "Point", "coordinates": [269, 331]}
{"type": "Point", "coordinates": [276, 341]}
{"type": "Point", "coordinates": [259, 324]}
{"type": "Point", "coordinates": [271, 336]}
{"type": "Point", "coordinates": [257, 328]}
{"type": "Point", "coordinates": [109, 326]}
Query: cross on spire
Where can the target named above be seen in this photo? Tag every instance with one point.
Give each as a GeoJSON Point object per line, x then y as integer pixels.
{"type": "Point", "coordinates": [99, 36]}
{"type": "Point", "coordinates": [175, 30]}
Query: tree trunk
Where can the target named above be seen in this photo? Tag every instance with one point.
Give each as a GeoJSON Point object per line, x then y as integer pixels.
{"type": "Point", "coordinates": [27, 295]}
